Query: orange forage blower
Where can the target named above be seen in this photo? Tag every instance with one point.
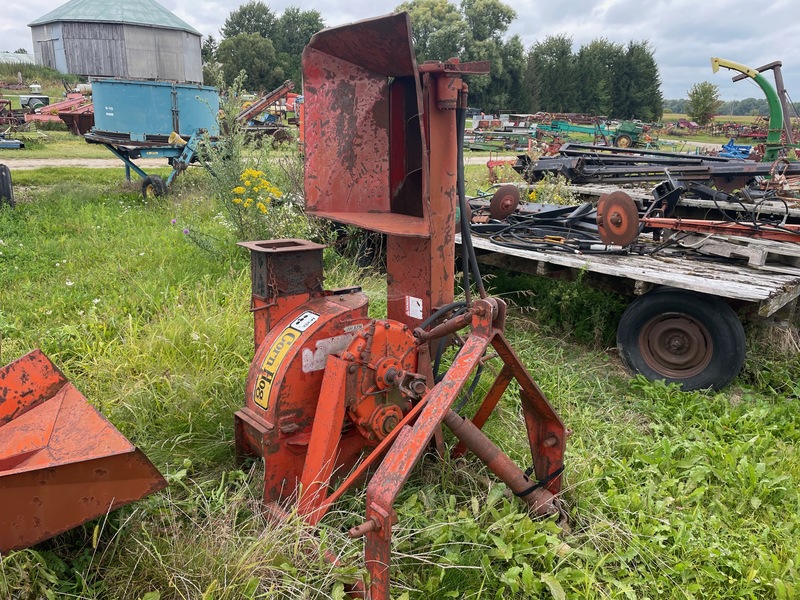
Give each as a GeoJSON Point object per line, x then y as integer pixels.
{"type": "Point", "coordinates": [332, 394]}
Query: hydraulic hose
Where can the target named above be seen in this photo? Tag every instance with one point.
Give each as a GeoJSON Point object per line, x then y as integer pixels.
{"type": "Point", "coordinates": [467, 250]}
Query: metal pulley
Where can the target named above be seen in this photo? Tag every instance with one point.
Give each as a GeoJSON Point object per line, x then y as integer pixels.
{"type": "Point", "coordinates": [617, 219]}
{"type": "Point", "coordinates": [504, 202]}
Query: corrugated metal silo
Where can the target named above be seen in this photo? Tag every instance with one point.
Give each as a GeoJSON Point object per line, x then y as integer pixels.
{"type": "Point", "coordinates": [131, 39]}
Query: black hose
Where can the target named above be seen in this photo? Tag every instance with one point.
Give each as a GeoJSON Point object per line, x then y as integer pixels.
{"type": "Point", "coordinates": [459, 405]}
{"type": "Point", "coordinates": [441, 346]}
{"type": "Point", "coordinates": [442, 312]}
{"type": "Point", "coordinates": [467, 248]}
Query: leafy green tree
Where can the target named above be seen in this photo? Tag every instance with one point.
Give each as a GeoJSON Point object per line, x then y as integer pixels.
{"type": "Point", "coordinates": [293, 31]}
{"type": "Point", "coordinates": [252, 17]}
{"type": "Point", "coordinates": [531, 85]}
{"type": "Point", "coordinates": [595, 65]}
{"type": "Point", "coordinates": [253, 54]}
{"type": "Point", "coordinates": [646, 101]}
{"type": "Point", "coordinates": [208, 49]}
{"type": "Point", "coordinates": [472, 31]}
{"type": "Point", "coordinates": [20, 51]}
{"type": "Point", "coordinates": [636, 85]}
{"type": "Point", "coordinates": [486, 90]}
{"type": "Point", "coordinates": [512, 87]}
{"type": "Point", "coordinates": [555, 74]}
{"type": "Point", "coordinates": [487, 19]}
{"type": "Point", "coordinates": [748, 105]}
{"type": "Point", "coordinates": [675, 105]}
{"type": "Point", "coordinates": [703, 102]}
{"type": "Point", "coordinates": [438, 28]}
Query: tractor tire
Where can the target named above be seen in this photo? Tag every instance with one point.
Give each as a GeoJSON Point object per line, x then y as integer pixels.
{"type": "Point", "coordinates": [682, 337]}
{"type": "Point", "coordinates": [153, 187]}
{"type": "Point", "coordinates": [6, 188]}
{"type": "Point", "coordinates": [623, 140]}
{"type": "Point", "coordinates": [281, 135]}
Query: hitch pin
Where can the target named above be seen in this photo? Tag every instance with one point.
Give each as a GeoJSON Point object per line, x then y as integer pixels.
{"type": "Point", "coordinates": [363, 529]}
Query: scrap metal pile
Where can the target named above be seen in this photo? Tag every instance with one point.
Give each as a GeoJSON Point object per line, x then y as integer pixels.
{"type": "Point", "coordinates": [616, 223]}
{"type": "Point", "coordinates": [584, 163]}
{"type": "Point", "coordinates": [538, 226]}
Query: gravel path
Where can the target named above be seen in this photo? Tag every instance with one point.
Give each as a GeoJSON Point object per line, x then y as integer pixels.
{"type": "Point", "coordinates": [23, 164]}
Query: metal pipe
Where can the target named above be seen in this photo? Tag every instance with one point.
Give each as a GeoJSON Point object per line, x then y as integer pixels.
{"type": "Point", "coordinates": [539, 499]}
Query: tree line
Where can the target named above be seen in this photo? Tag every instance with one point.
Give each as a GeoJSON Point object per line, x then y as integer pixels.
{"type": "Point", "coordinates": [746, 107]}
{"type": "Point", "coordinates": [602, 77]}
{"type": "Point", "coordinates": [266, 46]}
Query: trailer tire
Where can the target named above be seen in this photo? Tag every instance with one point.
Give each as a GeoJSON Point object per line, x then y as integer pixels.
{"type": "Point", "coordinates": [153, 187]}
{"type": "Point", "coordinates": [682, 337]}
{"type": "Point", "coordinates": [623, 140]}
{"type": "Point", "coordinates": [6, 188]}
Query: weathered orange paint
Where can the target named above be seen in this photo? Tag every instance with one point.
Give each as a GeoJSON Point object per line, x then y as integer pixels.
{"type": "Point", "coordinates": [61, 462]}
{"type": "Point", "coordinates": [380, 146]}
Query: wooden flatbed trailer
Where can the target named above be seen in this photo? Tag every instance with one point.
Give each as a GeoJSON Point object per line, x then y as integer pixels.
{"type": "Point", "coordinates": [684, 323]}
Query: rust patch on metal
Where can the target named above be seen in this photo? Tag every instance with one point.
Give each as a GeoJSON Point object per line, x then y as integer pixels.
{"type": "Point", "coordinates": [61, 462]}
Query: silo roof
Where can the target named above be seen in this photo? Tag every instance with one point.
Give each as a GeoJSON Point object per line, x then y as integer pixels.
{"type": "Point", "coordinates": [135, 12]}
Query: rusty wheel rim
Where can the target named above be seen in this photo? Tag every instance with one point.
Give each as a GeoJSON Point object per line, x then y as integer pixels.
{"type": "Point", "coordinates": [624, 141]}
{"type": "Point", "coordinates": [675, 345]}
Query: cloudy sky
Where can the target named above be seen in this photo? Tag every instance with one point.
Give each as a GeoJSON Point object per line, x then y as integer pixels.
{"type": "Point", "coordinates": [684, 33]}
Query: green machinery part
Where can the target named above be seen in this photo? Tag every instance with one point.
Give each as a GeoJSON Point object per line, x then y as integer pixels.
{"type": "Point", "coordinates": [775, 111]}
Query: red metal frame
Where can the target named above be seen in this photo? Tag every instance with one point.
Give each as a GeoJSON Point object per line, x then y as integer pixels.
{"type": "Point", "coordinates": [546, 434]}
{"type": "Point", "coordinates": [764, 231]}
{"type": "Point", "coordinates": [340, 393]}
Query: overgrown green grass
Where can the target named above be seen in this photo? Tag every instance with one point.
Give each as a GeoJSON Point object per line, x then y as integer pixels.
{"type": "Point", "coordinates": [55, 144]}
{"type": "Point", "coordinates": [50, 80]}
{"type": "Point", "coordinates": [670, 494]}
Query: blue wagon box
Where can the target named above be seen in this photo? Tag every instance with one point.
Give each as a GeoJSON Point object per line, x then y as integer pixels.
{"type": "Point", "coordinates": [147, 110]}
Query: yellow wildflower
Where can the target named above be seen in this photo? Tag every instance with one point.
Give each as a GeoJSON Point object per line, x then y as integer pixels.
{"type": "Point", "coordinates": [238, 190]}
{"type": "Point", "coordinates": [248, 202]}
{"type": "Point", "coordinates": [252, 174]}
{"type": "Point", "coordinates": [237, 200]}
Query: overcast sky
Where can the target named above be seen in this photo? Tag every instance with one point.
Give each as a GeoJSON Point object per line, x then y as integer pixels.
{"type": "Point", "coordinates": [683, 33]}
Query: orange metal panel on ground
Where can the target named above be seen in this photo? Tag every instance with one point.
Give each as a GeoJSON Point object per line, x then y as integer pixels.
{"type": "Point", "coordinates": [61, 462]}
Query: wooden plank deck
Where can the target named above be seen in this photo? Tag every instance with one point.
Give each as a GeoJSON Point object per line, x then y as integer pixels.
{"type": "Point", "coordinates": [767, 288]}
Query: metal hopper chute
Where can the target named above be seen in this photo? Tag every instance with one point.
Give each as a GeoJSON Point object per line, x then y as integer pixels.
{"type": "Point", "coordinates": [61, 462]}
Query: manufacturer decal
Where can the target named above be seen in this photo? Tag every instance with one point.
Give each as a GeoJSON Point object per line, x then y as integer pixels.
{"type": "Point", "coordinates": [275, 355]}
{"type": "Point", "coordinates": [413, 307]}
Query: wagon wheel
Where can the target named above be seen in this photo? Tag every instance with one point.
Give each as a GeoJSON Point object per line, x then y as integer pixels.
{"type": "Point", "coordinates": [682, 337]}
{"type": "Point", "coordinates": [623, 140]}
{"type": "Point", "coordinates": [153, 187]}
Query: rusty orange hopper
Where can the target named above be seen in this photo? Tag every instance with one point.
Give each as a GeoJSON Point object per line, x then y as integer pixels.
{"type": "Point", "coordinates": [61, 462]}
